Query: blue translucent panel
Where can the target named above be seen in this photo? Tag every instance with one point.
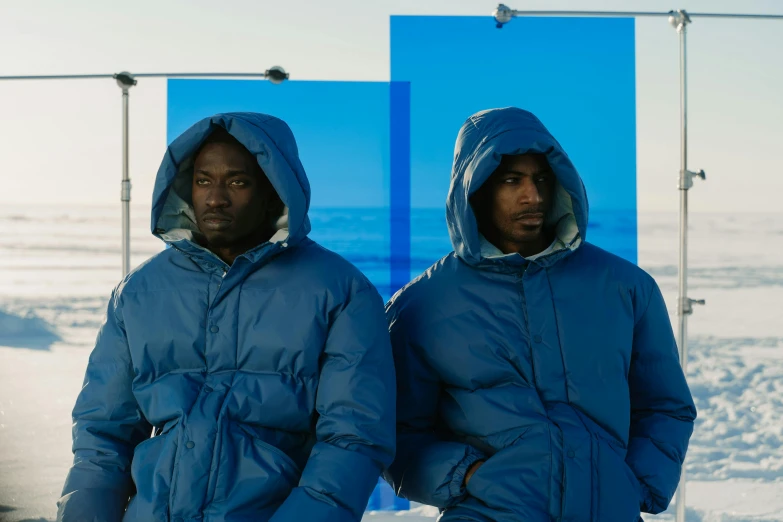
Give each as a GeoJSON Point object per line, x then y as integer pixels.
{"type": "Point", "coordinates": [576, 74]}
{"type": "Point", "coordinates": [352, 137]}
{"type": "Point", "coordinates": [384, 499]}
{"type": "Point", "coordinates": [354, 143]}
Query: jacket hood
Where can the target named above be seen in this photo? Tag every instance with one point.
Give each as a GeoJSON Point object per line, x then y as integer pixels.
{"type": "Point", "coordinates": [482, 142]}
{"type": "Point", "coordinates": [267, 138]}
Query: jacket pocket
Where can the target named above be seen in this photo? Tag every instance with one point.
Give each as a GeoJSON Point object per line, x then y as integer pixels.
{"type": "Point", "coordinates": [269, 447]}
{"type": "Point", "coordinates": [152, 469]}
{"type": "Point", "coordinates": [514, 482]}
{"type": "Point", "coordinates": [619, 491]}
{"type": "Point", "coordinates": [255, 476]}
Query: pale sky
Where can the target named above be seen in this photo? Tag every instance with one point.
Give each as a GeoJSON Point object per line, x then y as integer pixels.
{"type": "Point", "coordinates": [60, 141]}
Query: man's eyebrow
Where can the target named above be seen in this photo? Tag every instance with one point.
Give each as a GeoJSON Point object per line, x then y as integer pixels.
{"type": "Point", "coordinates": [235, 172]}
{"type": "Point", "coordinates": [519, 173]}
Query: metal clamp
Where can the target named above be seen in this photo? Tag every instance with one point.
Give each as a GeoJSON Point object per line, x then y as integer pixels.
{"type": "Point", "coordinates": [276, 75]}
{"type": "Point", "coordinates": [686, 178]}
{"type": "Point", "coordinates": [679, 19]}
{"type": "Point", "coordinates": [125, 80]}
{"type": "Point", "coordinates": [685, 306]}
{"type": "Point", "coordinates": [126, 190]}
{"type": "Point", "coordinates": [503, 15]}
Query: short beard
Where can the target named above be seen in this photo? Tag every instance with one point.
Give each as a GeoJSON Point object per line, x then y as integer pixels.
{"type": "Point", "coordinates": [217, 241]}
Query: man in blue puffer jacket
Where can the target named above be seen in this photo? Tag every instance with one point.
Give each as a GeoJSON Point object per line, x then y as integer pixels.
{"type": "Point", "coordinates": [538, 377]}
{"type": "Point", "coordinates": [260, 359]}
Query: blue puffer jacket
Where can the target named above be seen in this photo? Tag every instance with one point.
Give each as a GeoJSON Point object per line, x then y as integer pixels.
{"type": "Point", "coordinates": [269, 383]}
{"type": "Point", "coordinates": [561, 370]}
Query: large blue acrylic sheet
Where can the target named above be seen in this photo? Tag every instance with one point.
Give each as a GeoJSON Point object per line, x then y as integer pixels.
{"type": "Point", "coordinates": [354, 144]}
{"type": "Point", "coordinates": [576, 74]}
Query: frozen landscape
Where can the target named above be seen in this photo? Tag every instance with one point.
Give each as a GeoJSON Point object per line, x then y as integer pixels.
{"type": "Point", "coordinates": [58, 266]}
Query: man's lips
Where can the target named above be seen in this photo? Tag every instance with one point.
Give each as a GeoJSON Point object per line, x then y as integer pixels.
{"type": "Point", "coordinates": [530, 218]}
{"type": "Point", "coordinates": [215, 218]}
{"type": "Point", "coordinates": [216, 222]}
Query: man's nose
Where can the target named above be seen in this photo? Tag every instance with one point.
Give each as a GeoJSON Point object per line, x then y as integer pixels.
{"type": "Point", "coordinates": [217, 197]}
{"type": "Point", "coordinates": [529, 194]}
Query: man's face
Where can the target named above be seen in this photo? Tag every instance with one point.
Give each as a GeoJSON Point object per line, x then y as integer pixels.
{"type": "Point", "coordinates": [513, 202]}
{"type": "Point", "coordinates": [231, 195]}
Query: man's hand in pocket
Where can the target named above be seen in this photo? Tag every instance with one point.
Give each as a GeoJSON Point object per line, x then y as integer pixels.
{"type": "Point", "coordinates": [472, 469]}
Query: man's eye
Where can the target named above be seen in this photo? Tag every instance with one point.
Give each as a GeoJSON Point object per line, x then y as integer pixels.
{"type": "Point", "coordinates": [202, 181]}
{"type": "Point", "coordinates": [238, 183]}
{"type": "Point", "coordinates": [510, 180]}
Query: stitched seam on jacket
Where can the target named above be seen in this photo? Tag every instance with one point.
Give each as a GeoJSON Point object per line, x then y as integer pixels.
{"type": "Point", "coordinates": [559, 338]}
{"type": "Point", "coordinates": [218, 447]}
{"type": "Point", "coordinates": [646, 307]}
{"type": "Point", "coordinates": [549, 423]}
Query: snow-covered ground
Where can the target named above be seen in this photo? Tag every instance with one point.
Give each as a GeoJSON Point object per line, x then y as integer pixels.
{"type": "Point", "coordinates": [58, 265]}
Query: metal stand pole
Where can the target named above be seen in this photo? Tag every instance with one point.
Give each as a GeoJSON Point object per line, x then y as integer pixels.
{"type": "Point", "coordinates": [680, 20]}
{"type": "Point", "coordinates": [125, 81]}
{"type": "Point", "coordinates": [683, 308]}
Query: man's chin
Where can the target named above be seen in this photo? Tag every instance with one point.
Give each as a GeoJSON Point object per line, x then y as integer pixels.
{"type": "Point", "coordinates": [526, 234]}
{"type": "Point", "coordinates": [218, 240]}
